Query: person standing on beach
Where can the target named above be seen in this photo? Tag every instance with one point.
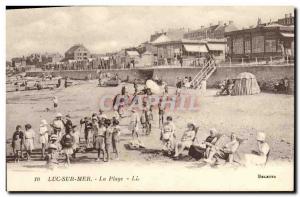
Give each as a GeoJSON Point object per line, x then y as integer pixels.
{"type": "Point", "coordinates": [29, 136]}
{"type": "Point", "coordinates": [55, 102]}
{"type": "Point", "coordinates": [17, 143]}
{"type": "Point", "coordinates": [44, 136]}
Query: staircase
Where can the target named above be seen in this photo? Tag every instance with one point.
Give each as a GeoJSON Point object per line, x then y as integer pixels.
{"type": "Point", "coordinates": [207, 70]}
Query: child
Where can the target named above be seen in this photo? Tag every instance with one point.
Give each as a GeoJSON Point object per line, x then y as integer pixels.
{"type": "Point", "coordinates": [55, 102]}
{"type": "Point", "coordinates": [76, 136]}
{"type": "Point", "coordinates": [149, 120]}
{"type": "Point", "coordinates": [108, 137]}
{"type": "Point", "coordinates": [29, 136]}
{"type": "Point", "coordinates": [17, 143]}
{"type": "Point", "coordinates": [87, 127]}
{"type": "Point", "coordinates": [67, 142]}
{"type": "Point", "coordinates": [168, 135]}
{"type": "Point", "coordinates": [133, 126]}
{"type": "Point", "coordinates": [143, 119]}
{"type": "Point", "coordinates": [99, 137]}
{"type": "Point", "coordinates": [43, 136]}
{"type": "Point", "coordinates": [161, 113]}
{"type": "Point", "coordinates": [115, 138]}
{"type": "Point", "coordinates": [52, 157]}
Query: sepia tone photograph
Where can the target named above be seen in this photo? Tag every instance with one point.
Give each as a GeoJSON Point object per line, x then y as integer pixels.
{"type": "Point", "coordinates": [150, 98]}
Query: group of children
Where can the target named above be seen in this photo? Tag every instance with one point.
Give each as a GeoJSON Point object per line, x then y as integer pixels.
{"type": "Point", "coordinates": [102, 133]}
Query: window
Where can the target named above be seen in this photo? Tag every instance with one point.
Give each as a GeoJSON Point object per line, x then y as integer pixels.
{"type": "Point", "coordinates": [238, 47]}
{"type": "Point", "coordinates": [247, 46]}
{"type": "Point", "coordinates": [258, 44]}
{"type": "Point", "coordinates": [270, 45]}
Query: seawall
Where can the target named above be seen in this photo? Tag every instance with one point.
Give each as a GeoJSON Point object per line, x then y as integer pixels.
{"type": "Point", "coordinates": [264, 74]}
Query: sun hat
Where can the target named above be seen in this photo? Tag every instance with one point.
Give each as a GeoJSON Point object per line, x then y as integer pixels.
{"type": "Point", "coordinates": [58, 115]}
{"type": "Point", "coordinates": [261, 136]}
{"type": "Point", "coordinates": [44, 122]}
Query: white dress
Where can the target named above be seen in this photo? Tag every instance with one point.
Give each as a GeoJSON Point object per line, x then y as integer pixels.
{"type": "Point", "coordinates": [43, 134]}
{"type": "Point", "coordinates": [253, 159]}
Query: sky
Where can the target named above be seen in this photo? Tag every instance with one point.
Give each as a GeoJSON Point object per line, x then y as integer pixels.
{"type": "Point", "coordinates": [108, 29]}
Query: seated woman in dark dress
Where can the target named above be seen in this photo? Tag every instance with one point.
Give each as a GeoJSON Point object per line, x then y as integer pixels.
{"type": "Point", "coordinates": [199, 152]}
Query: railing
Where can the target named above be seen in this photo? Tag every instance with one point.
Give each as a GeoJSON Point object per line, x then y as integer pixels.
{"type": "Point", "coordinates": [204, 73]}
{"type": "Point", "coordinates": [258, 61]}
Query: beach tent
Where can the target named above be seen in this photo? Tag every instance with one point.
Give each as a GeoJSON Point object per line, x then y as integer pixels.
{"type": "Point", "coordinates": [245, 84]}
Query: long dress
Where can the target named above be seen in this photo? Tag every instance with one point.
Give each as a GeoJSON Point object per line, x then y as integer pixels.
{"type": "Point", "coordinates": [255, 159]}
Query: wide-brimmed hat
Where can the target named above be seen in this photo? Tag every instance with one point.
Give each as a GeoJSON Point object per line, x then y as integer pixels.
{"type": "Point", "coordinates": [44, 122]}
{"type": "Point", "coordinates": [94, 118]}
{"type": "Point", "coordinates": [58, 115]}
{"type": "Point", "coordinates": [261, 136]}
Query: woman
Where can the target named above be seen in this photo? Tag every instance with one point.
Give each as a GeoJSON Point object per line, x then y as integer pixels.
{"type": "Point", "coordinates": [259, 157]}
{"type": "Point", "coordinates": [43, 136]}
{"type": "Point", "coordinates": [186, 140]}
{"type": "Point", "coordinates": [29, 136]}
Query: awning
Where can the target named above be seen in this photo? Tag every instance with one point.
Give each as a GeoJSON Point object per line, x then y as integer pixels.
{"type": "Point", "coordinates": [216, 47]}
{"type": "Point", "coordinates": [287, 35]}
{"type": "Point", "coordinates": [132, 53]}
{"type": "Point", "coordinates": [195, 48]}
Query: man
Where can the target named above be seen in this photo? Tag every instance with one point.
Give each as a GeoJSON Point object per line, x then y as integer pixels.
{"type": "Point", "coordinates": [58, 125]}
{"type": "Point", "coordinates": [226, 153]}
{"type": "Point", "coordinates": [87, 127]}
{"type": "Point", "coordinates": [68, 124]}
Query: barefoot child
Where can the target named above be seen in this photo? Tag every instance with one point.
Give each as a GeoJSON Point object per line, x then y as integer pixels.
{"type": "Point", "coordinates": [67, 142]}
{"type": "Point", "coordinates": [17, 143]}
{"type": "Point", "coordinates": [115, 138]}
{"type": "Point", "coordinates": [108, 137]}
{"type": "Point", "coordinates": [99, 137]}
{"type": "Point", "coordinates": [43, 136]}
{"type": "Point", "coordinates": [29, 136]}
{"type": "Point", "coordinates": [52, 157]}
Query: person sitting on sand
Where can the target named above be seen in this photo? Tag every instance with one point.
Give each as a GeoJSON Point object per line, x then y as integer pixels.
{"type": "Point", "coordinates": [17, 143]}
{"type": "Point", "coordinates": [29, 136]}
{"type": "Point", "coordinates": [167, 135]}
{"type": "Point", "coordinates": [186, 140]}
{"type": "Point", "coordinates": [226, 153]}
{"type": "Point", "coordinates": [259, 157]}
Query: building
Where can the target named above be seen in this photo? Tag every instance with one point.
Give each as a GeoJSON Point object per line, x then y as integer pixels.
{"type": "Point", "coordinates": [262, 42]}
{"type": "Point", "coordinates": [77, 52]}
{"type": "Point", "coordinates": [212, 32]}
{"type": "Point", "coordinates": [288, 20]}
{"type": "Point", "coordinates": [18, 62]}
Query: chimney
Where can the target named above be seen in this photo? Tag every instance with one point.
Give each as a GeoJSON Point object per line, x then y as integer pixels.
{"type": "Point", "coordinates": [230, 22]}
